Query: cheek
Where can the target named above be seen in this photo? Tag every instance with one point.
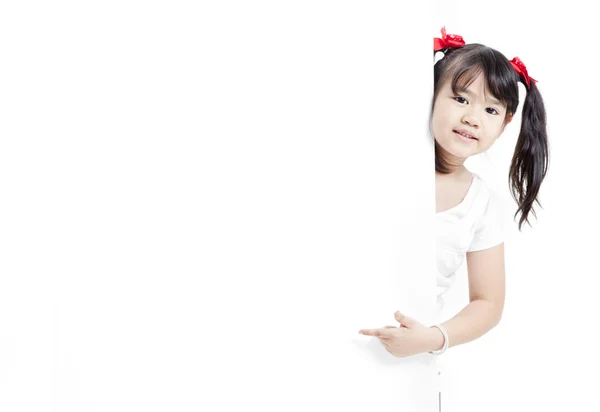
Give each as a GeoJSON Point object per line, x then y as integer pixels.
{"type": "Point", "coordinates": [439, 121]}
{"type": "Point", "coordinates": [491, 137]}
{"type": "Point", "coordinates": [495, 130]}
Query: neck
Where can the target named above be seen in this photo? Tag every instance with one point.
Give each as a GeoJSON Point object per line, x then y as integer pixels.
{"type": "Point", "coordinates": [456, 164]}
{"type": "Point", "coordinates": [454, 171]}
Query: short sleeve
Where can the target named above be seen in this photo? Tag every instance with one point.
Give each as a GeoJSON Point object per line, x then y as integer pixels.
{"type": "Point", "coordinates": [489, 229]}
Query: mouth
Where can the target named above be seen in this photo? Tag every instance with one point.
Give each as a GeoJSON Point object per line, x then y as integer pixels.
{"type": "Point", "coordinates": [465, 134]}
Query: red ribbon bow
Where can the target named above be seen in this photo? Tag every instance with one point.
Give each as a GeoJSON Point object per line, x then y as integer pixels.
{"type": "Point", "coordinates": [448, 41]}
{"type": "Point", "coordinates": [522, 70]}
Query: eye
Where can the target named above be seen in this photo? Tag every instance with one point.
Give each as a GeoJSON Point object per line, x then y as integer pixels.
{"type": "Point", "coordinates": [459, 97]}
{"type": "Point", "coordinates": [491, 108]}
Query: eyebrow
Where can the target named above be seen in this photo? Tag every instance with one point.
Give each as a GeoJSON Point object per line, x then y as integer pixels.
{"type": "Point", "coordinates": [491, 100]}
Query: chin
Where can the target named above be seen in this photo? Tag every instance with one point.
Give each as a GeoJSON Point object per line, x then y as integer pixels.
{"type": "Point", "coordinates": [460, 155]}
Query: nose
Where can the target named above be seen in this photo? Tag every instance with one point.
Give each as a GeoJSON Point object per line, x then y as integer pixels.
{"type": "Point", "coordinates": [471, 120]}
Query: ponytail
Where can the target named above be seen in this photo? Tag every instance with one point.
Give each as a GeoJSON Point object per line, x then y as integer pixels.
{"type": "Point", "coordinates": [530, 159]}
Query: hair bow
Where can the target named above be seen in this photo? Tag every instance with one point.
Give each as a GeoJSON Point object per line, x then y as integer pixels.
{"type": "Point", "coordinates": [522, 70]}
{"type": "Point", "coordinates": [448, 41]}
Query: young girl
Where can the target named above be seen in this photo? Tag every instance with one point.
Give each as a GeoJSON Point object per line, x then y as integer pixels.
{"type": "Point", "coordinates": [475, 96]}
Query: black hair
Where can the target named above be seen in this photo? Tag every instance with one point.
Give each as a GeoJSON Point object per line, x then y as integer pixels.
{"type": "Point", "coordinates": [530, 159]}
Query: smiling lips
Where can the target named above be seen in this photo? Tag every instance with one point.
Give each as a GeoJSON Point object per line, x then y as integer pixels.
{"type": "Point", "coordinates": [465, 133]}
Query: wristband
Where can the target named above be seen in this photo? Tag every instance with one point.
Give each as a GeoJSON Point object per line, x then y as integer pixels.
{"type": "Point", "coordinates": [443, 330]}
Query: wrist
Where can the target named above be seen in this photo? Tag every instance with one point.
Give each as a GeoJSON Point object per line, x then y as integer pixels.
{"type": "Point", "coordinates": [435, 339]}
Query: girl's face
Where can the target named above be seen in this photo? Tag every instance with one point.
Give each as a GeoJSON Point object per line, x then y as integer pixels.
{"type": "Point", "coordinates": [467, 113]}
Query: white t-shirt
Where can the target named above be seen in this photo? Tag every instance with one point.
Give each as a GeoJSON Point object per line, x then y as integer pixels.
{"type": "Point", "coordinates": [476, 223]}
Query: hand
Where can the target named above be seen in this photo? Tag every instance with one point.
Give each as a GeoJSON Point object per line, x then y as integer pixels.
{"type": "Point", "coordinates": [410, 338]}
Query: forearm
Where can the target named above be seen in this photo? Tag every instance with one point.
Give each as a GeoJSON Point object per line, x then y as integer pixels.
{"type": "Point", "coordinates": [475, 320]}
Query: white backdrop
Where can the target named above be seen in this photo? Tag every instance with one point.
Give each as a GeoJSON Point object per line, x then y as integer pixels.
{"type": "Point", "coordinates": [202, 205]}
{"type": "Point", "coordinates": [542, 355]}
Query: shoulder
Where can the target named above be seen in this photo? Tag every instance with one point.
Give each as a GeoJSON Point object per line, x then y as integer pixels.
{"type": "Point", "coordinates": [489, 217]}
{"type": "Point", "coordinates": [487, 193]}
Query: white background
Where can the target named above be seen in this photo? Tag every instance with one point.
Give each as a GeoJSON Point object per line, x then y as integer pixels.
{"type": "Point", "coordinates": [201, 205]}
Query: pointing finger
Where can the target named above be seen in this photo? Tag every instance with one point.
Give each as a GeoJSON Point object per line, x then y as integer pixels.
{"type": "Point", "coordinates": [381, 333]}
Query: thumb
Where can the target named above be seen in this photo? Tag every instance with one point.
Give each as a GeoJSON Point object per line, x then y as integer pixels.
{"type": "Point", "coordinates": [405, 320]}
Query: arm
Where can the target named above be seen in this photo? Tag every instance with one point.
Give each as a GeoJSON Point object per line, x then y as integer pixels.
{"type": "Point", "coordinates": [486, 274]}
